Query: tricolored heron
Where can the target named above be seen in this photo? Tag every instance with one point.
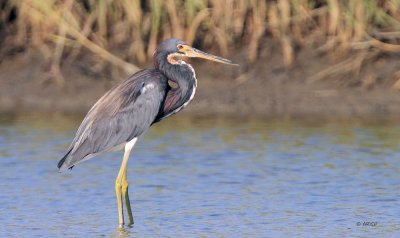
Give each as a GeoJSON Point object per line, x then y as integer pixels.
{"type": "Point", "coordinates": [123, 115]}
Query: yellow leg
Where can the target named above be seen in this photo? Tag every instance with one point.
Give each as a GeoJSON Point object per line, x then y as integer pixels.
{"type": "Point", "coordinates": [121, 186]}
{"type": "Point", "coordinates": [119, 202]}
{"type": "Point", "coordinates": [125, 194]}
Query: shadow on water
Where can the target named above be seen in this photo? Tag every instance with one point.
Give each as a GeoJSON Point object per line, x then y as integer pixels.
{"type": "Point", "coordinates": [205, 177]}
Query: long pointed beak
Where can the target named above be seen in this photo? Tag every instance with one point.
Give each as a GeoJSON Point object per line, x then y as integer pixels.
{"type": "Point", "coordinates": [195, 53]}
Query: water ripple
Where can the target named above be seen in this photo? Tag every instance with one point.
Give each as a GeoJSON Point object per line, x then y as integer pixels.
{"type": "Point", "coordinates": [209, 179]}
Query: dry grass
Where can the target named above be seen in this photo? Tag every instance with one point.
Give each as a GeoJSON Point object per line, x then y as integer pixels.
{"type": "Point", "coordinates": [62, 28]}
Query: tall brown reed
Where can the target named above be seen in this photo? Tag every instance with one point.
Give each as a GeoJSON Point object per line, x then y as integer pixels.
{"type": "Point", "coordinates": [62, 28]}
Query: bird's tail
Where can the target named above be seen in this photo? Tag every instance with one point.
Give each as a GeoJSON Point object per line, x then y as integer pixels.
{"type": "Point", "coordinates": [61, 164]}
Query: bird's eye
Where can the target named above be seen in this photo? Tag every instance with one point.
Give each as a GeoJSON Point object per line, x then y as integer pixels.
{"type": "Point", "coordinates": [180, 47]}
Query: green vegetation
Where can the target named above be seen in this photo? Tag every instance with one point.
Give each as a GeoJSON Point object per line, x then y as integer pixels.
{"type": "Point", "coordinates": [64, 28]}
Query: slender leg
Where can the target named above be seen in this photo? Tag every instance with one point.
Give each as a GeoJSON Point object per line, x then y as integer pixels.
{"type": "Point", "coordinates": [121, 186]}
{"type": "Point", "coordinates": [119, 202]}
{"type": "Point", "coordinates": [125, 194]}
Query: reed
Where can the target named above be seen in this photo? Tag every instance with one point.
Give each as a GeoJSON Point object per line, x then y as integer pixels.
{"type": "Point", "coordinates": [63, 29]}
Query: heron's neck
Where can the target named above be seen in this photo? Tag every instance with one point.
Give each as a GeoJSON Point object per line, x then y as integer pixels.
{"type": "Point", "coordinates": [185, 78]}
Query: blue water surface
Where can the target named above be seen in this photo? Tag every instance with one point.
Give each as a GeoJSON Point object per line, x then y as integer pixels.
{"type": "Point", "coordinates": [206, 178]}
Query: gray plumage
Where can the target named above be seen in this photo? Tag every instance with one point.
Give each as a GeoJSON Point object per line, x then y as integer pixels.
{"type": "Point", "coordinates": [123, 113]}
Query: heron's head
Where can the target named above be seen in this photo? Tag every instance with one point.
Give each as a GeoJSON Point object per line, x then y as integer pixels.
{"type": "Point", "coordinates": [174, 51]}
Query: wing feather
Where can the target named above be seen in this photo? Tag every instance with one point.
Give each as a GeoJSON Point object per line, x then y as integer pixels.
{"type": "Point", "coordinates": [123, 113]}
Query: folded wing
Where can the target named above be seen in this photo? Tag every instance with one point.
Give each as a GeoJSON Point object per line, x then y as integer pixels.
{"type": "Point", "coordinates": [123, 113]}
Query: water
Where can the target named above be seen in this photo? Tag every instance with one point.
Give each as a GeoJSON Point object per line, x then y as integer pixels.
{"type": "Point", "coordinates": [206, 178]}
